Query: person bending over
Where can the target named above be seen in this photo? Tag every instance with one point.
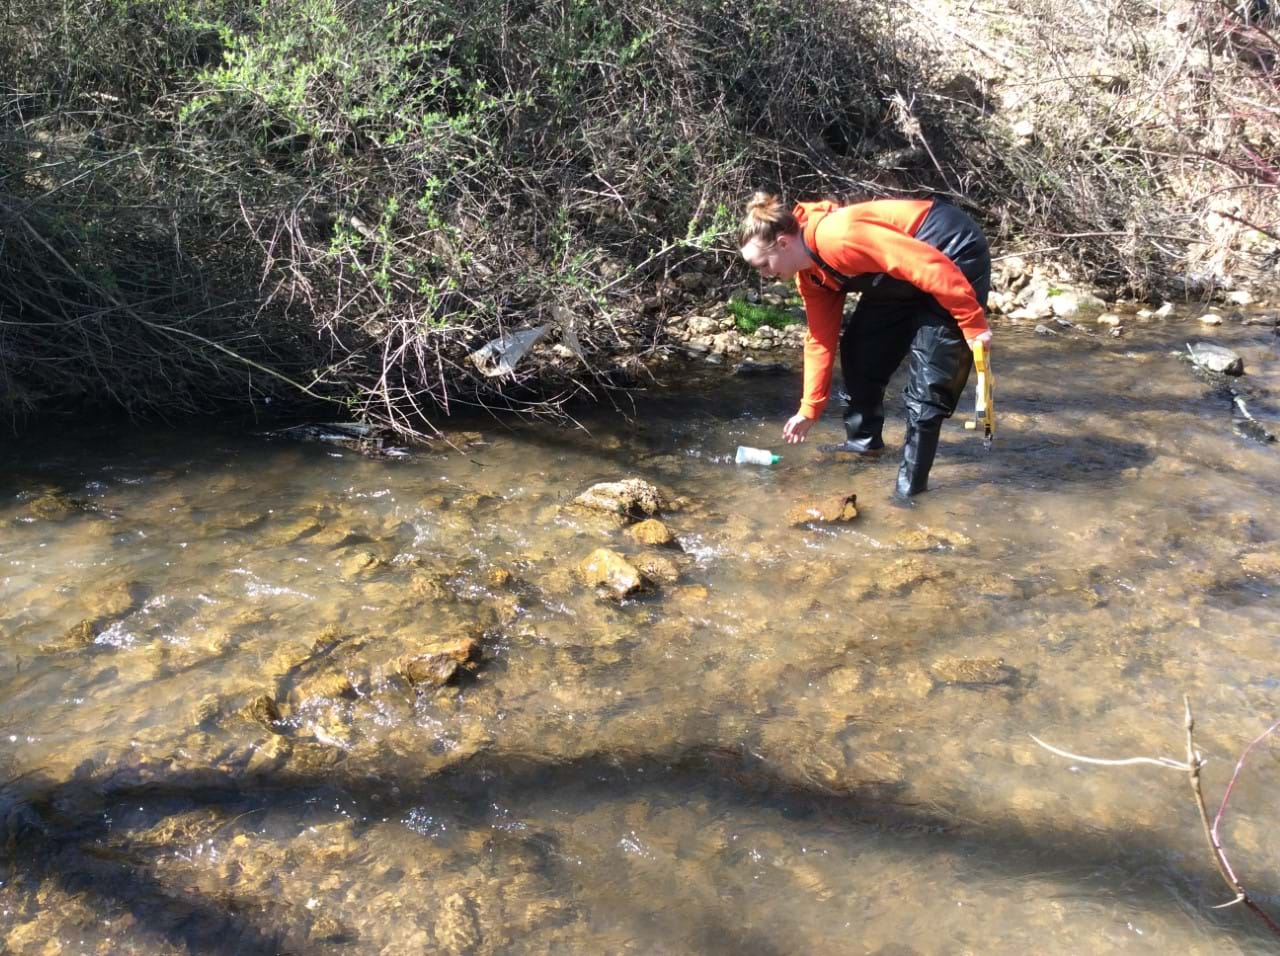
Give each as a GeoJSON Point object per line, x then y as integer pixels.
{"type": "Point", "coordinates": [923, 269]}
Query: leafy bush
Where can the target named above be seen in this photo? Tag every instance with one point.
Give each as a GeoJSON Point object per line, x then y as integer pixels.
{"type": "Point", "coordinates": [228, 200]}
{"type": "Point", "coordinates": [749, 316]}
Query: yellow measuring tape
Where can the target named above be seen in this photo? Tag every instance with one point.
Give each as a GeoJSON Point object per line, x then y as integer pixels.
{"type": "Point", "coordinates": [984, 412]}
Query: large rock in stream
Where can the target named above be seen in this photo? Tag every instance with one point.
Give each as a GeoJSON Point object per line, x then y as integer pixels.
{"type": "Point", "coordinates": [631, 497]}
{"type": "Point", "coordinates": [832, 510]}
{"type": "Point", "coordinates": [1216, 358]}
{"type": "Point", "coordinates": [612, 572]}
{"type": "Point", "coordinates": [439, 662]}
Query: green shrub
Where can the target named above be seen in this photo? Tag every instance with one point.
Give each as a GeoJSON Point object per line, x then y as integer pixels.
{"type": "Point", "coordinates": [749, 316]}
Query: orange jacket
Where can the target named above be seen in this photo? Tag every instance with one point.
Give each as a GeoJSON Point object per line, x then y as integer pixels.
{"type": "Point", "coordinates": [870, 237]}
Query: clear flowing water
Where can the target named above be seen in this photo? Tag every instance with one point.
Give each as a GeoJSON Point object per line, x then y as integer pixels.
{"type": "Point", "coordinates": [813, 740]}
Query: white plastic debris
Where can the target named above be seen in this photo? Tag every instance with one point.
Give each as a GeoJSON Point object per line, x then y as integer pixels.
{"type": "Point", "coordinates": [501, 355]}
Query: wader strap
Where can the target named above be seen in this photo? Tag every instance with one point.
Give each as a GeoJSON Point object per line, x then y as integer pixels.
{"type": "Point", "coordinates": [842, 280]}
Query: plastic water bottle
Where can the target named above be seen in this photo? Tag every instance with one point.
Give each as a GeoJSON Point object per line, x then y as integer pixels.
{"type": "Point", "coordinates": [756, 456]}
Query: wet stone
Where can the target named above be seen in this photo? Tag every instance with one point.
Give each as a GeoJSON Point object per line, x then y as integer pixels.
{"type": "Point", "coordinates": [905, 574]}
{"type": "Point", "coordinates": [932, 539]}
{"type": "Point", "coordinates": [1262, 564]}
{"type": "Point", "coordinates": [438, 663]}
{"type": "Point", "coordinates": [323, 687]}
{"type": "Point", "coordinates": [976, 671]}
{"type": "Point", "coordinates": [612, 572]}
{"type": "Point", "coordinates": [457, 929]}
{"type": "Point", "coordinates": [57, 507]}
{"type": "Point", "coordinates": [336, 535]}
{"type": "Point", "coordinates": [473, 501]}
{"type": "Point", "coordinates": [631, 497]}
{"type": "Point", "coordinates": [651, 532]}
{"type": "Point", "coordinates": [115, 600]}
{"type": "Point", "coordinates": [691, 595]}
{"type": "Point", "coordinates": [877, 766]}
{"type": "Point", "coordinates": [428, 584]}
{"type": "Point", "coordinates": [295, 530]}
{"type": "Point", "coordinates": [360, 563]}
{"type": "Point", "coordinates": [264, 710]}
{"type": "Point", "coordinates": [206, 710]}
{"type": "Point", "coordinates": [1216, 358]}
{"type": "Point", "coordinates": [78, 635]}
{"type": "Point", "coordinates": [832, 510]}
{"type": "Point", "coordinates": [657, 567]}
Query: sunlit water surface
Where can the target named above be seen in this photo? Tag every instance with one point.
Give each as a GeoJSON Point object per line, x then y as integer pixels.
{"type": "Point", "coordinates": [780, 752]}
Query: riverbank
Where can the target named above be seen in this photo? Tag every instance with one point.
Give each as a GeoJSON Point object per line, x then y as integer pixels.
{"type": "Point", "coordinates": [226, 204]}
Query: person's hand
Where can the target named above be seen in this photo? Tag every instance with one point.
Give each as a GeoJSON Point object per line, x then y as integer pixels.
{"type": "Point", "coordinates": [796, 428]}
{"type": "Point", "coordinates": [984, 338]}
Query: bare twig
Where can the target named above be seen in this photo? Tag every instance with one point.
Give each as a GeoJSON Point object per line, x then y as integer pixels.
{"type": "Point", "coordinates": [1194, 763]}
{"type": "Point", "coordinates": [1191, 766]}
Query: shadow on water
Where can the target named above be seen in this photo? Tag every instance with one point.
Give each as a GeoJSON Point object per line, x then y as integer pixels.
{"type": "Point", "coordinates": [61, 831]}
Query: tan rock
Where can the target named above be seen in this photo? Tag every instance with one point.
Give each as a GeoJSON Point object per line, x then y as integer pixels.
{"type": "Point", "coordinates": [832, 510]}
{"type": "Point", "coordinates": [932, 539]}
{"type": "Point", "coordinates": [658, 568]}
{"type": "Point", "coordinates": [78, 635]}
{"type": "Point", "coordinates": [905, 574]}
{"type": "Point", "coordinates": [651, 532]}
{"type": "Point", "coordinates": [427, 584]}
{"type": "Point", "coordinates": [55, 507]}
{"type": "Point", "coordinates": [116, 599]}
{"type": "Point", "coordinates": [608, 569]}
{"type": "Point", "coordinates": [1261, 564]}
{"type": "Point", "coordinates": [323, 687]}
{"type": "Point", "coordinates": [631, 496]}
{"type": "Point", "coordinates": [360, 563]}
{"type": "Point", "coordinates": [437, 663]}
{"type": "Point", "coordinates": [265, 711]}
{"type": "Point", "coordinates": [457, 930]}
{"type": "Point", "coordinates": [972, 670]}
{"type": "Point", "coordinates": [692, 594]}
{"type": "Point", "coordinates": [877, 766]}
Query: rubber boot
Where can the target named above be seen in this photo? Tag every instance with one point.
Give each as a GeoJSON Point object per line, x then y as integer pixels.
{"type": "Point", "coordinates": [862, 428]}
{"type": "Point", "coordinates": [918, 449]}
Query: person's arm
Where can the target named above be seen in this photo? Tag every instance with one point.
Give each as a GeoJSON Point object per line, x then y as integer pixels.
{"type": "Point", "coordinates": [823, 309]}
{"type": "Point", "coordinates": [869, 247]}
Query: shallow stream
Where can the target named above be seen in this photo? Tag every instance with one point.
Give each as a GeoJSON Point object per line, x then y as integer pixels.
{"type": "Point", "coordinates": [813, 740]}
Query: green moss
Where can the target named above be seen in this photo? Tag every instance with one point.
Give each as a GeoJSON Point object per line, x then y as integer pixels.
{"type": "Point", "coordinates": [750, 316]}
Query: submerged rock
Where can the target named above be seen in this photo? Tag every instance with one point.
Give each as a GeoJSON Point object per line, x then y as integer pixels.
{"type": "Point", "coordinates": [652, 532]}
{"type": "Point", "coordinates": [115, 600]}
{"type": "Point", "coordinates": [631, 497]}
{"type": "Point", "coordinates": [1261, 564]}
{"type": "Point", "coordinates": [54, 506]}
{"type": "Point", "coordinates": [656, 567]}
{"type": "Point", "coordinates": [438, 663]}
{"type": "Point", "coordinates": [264, 710]}
{"type": "Point", "coordinates": [360, 563]}
{"type": "Point", "coordinates": [457, 929]}
{"type": "Point", "coordinates": [1215, 358]}
{"type": "Point", "coordinates": [750, 368]}
{"type": "Point", "coordinates": [975, 671]}
{"type": "Point", "coordinates": [78, 635]}
{"type": "Point", "coordinates": [609, 570]}
{"type": "Point", "coordinates": [831, 510]}
{"type": "Point", "coordinates": [932, 539]}
{"type": "Point", "coordinates": [323, 687]}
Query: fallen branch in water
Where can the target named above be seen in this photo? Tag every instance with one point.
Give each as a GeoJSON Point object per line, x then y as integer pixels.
{"type": "Point", "coordinates": [1191, 766]}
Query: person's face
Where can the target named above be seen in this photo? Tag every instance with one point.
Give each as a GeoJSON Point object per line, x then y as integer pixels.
{"type": "Point", "coordinates": [776, 260]}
